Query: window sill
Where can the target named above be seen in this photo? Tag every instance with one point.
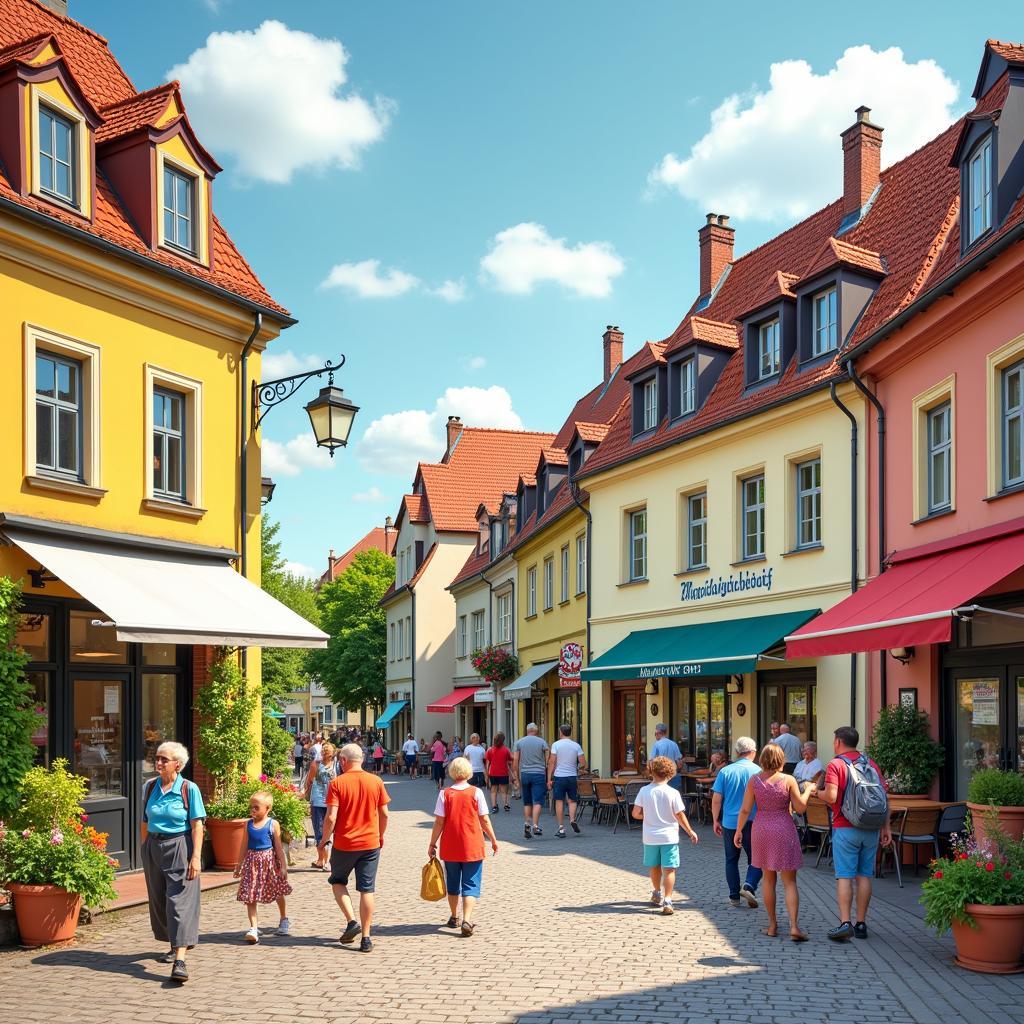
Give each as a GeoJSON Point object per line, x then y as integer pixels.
{"type": "Point", "coordinates": [66, 205]}
{"type": "Point", "coordinates": [937, 514]}
{"type": "Point", "coordinates": [184, 254]}
{"type": "Point", "coordinates": [550, 608]}
{"type": "Point", "coordinates": [580, 593]}
{"type": "Point", "coordinates": [1006, 491]}
{"type": "Point", "coordinates": [530, 618]}
{"type": "Point", "coordinates": [51, 483]}
{"type": "Point", "coordinates": [748, 561]}
{"type": "Point", "coordinates": [633, 583]}
{"type": "Point", "coordinates": [696, 570]}
{"type": "Point", "coordinates": [173, 508]}
{"type": "Point", "coordinates": [804, 550]}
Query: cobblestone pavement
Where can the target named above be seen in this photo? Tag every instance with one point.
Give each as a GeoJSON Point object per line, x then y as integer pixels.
{"type": "Point", "coordinates": [564, 934]}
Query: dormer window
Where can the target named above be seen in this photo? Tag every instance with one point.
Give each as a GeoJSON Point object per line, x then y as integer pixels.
{"type": "Point", "coordinates": [687, 386]}
{"type": "Point", "coordinates": [768, 348]}
{"type": "Point", "coordinates": [979, 190]}
{"type": "Point", "coordinates": [825, 326]}
{"type": "Point", "coordinates": [56, 155]}
{"type": "Point", "coordinates": [649, 394]}
{"type": "Point", "coordinates": [179, 209]}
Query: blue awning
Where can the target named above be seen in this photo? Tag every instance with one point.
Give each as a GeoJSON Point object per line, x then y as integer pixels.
{"type": "Point", "coordinates": [389, 713]}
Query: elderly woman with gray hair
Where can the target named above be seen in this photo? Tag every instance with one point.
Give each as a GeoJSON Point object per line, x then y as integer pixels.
{"type": "Point", "coordinates": [174, 814]}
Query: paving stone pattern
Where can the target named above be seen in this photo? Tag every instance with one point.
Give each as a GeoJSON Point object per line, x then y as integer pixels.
{"type": "Point", "coordinates": [564, 934]}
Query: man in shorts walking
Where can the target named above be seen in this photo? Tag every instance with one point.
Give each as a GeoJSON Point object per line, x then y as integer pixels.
{"type": "Point", "coordinates": [529, 764]}
{"type": "Point", "coordinates": [475, 754]}
{"type": "Point", "coordinates": [410, 750]}
{"type": "Point", "coordinates": [564, 765]}
{"type": "Point", "coordinates": [357, 815]}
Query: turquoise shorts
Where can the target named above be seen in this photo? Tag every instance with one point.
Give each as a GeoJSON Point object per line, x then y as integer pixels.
{"type": "Point", "coordinates": [664, 855]}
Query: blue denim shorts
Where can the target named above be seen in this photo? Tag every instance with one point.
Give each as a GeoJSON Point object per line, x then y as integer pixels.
{"type": "Point", "coordinates": [535, 788]}
{"type": "Point", "coordinates": [662, 855]}
{"type": "Point", "coordinates": [463, 877]}
{"type": "Point", "coordinates": [853, 852]}
{"type": "Point", "coordinates": [565, 788]}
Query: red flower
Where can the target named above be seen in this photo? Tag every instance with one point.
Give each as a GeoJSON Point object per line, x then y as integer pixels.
{"type": "Point", "coordinates": [85, 817]}
{"type": "Point", "coordinates": [990, 866]}
{"type": "Point", "coordinates": [938, 874]}
{"type": "Point", "coordinates": [1007, 875]}
{"type": "Point", "coordinates": [243, 778]}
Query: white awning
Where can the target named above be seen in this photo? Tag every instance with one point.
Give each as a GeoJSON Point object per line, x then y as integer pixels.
{"type": "Point", "coordinates": [156, 595]}
{"type": "Point", "coordinates": [520, 689]}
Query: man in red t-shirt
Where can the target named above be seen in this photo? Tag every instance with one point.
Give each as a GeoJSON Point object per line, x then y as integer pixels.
{"type": "Point", "coordinates": [853, 849]}
{"type": "Point", "coordinates": [357, 815]}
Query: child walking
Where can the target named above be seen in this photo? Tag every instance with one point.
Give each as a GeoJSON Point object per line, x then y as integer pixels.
{"type": "Point", "coordinates": [264, 869]}
{"type": "Point", "coordinates": [660, 807]}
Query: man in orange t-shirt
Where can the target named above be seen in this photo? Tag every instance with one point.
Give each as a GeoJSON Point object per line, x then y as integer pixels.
{"type": "Point", "coordinates": [357, 815]}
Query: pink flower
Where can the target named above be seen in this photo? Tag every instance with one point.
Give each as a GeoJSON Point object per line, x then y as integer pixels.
{"type": "Point", "coordinates": [112, 862]}
{"type": "Point", "coordinates": [85, 817]}
{"type": "Point", "coordinates": [56, 837]}
{"type": "Point", "coordinates": [263, 778]}
{"type": "Point", "coordinates": [26, 833]}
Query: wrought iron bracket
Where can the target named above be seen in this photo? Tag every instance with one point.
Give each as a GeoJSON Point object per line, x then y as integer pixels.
{"type": "Point", "coordinates": [269, 393]}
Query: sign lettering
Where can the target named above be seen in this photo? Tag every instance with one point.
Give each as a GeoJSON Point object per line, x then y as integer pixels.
{"type": "Point", "coordinates": [726, 586]}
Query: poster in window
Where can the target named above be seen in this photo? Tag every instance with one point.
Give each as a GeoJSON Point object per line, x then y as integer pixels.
{"type": "Point", "coordinates": [111, 699]}
{"type": "Point", "coordinates": [985, 702]}
{"type": "Point", "coordinates": [797, 703]}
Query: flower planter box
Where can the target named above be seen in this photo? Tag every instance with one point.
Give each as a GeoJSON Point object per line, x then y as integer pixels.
{"type": "Point", "coordinates": [1010, 818]}
{"type": "Point", "coordinates": [46, 914]}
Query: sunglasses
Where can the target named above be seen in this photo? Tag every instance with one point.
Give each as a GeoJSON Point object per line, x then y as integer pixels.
{"type": "Point", "coordinates": [162, 760]}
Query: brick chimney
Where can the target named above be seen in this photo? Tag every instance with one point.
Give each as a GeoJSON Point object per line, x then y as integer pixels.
{"type": "Point", "coordinates": [330, 565]}
{"type": "Point", "coordinates": [716, 242]}
{"type": "Point", "coordinates": [612, 351]}
{"type": "Point", "coordinates": [862, 162]}
{"type": "Point", "coordinates": [57, 6]}
{"type": "Point", "coordinates": [454, 430]}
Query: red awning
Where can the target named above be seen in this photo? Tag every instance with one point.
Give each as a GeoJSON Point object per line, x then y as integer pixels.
{"type": "Point", "coordinates": [452, 700]}
{"type": "Point", "coordinates": [913, 603]}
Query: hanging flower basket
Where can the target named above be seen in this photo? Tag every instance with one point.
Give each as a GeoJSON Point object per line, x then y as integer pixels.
{"type": "Point", "coordinates": [495, 664]}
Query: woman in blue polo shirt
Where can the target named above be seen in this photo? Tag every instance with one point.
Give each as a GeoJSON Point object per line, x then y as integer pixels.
{"type": "Point", "coordinates": [174, 814]}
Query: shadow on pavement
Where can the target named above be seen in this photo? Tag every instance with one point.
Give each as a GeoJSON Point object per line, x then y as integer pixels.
{"type": "Point", "coordinates": [623, 907]}
{"type": "Point", "coordinates": [130, 964]}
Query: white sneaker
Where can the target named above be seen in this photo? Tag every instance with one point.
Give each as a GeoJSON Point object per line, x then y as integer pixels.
{"type": "Point", "coordinates": [252, 936]}
{"type": "Point", "coordinates": [285, 927]}
{"type": "Point", "coordinates": [656, 898]}
{"type": "Point", "coordinates": [667, 908]}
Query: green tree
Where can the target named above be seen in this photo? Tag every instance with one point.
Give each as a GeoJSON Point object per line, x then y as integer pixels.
{"type": "Point", "coordinates": [226, 706]}
{"type": "Point", "coordinates": [18, 717]}
{"type": "Point", "coordinates": [352, 668]}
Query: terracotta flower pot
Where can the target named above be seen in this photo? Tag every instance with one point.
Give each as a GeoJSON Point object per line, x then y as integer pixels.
{"type": "Point", "coordinates": [1010, 818]}
{"type": "Point", "coordinates": [227, 838]}
{"type": "Point", "coordinates": [994, 947]}
{"type": "Point", "coordinates": [45, 913]}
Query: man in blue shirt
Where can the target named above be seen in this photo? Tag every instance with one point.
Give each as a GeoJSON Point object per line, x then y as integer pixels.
{"type": "Point", "coordinates": [726, 800]}
{"type": "Point", "coordinates": [665, 747]}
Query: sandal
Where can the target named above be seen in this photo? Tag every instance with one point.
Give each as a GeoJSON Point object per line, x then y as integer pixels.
{"type": "Point", "coordinates": [453, 922]}
{"type": "Point", "coordinates": [467, 928]}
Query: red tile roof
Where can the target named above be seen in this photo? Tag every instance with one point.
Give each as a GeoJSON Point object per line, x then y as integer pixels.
{"type": "Point", "coordinates": [910, 234]}
{"type": "Point", "coordinates": [377, 539]}
{"type": "Point", "coordinates": [554, 457]}
{"type": "Point", "coordinates": [836, 252]}
{"type": "Point", "coordinates": [484, 465]}
{"type": "Point", "coordinates": [139, 111]}
{"type": "Point", "coordinates": [591, 431]}
{"type": "Point", "coordinates": [707, 332]}
{"type": "Point", "coordinates": [1013, 53]}
{"type": "Point", "coordinates": [104, 83]}
{"type": "Point", "coordinates": [415, 508]}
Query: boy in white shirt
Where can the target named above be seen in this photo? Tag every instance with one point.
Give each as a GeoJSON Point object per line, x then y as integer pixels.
{"type": "Point", "coordinates": [660, 807]}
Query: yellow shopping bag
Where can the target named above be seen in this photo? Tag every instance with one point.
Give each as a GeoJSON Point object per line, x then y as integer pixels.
{"type": "Point", "coordinates": [432, 886]}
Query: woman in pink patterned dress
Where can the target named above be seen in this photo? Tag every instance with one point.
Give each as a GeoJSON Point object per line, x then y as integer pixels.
{"type": "Point", "coordinates": [775, 845]}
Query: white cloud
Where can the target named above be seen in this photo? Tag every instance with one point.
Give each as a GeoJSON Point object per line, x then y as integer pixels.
{"type": "Point", "coordinates": [525, 255]}
{"type": "Point", "coordinates": [395, 442]}
{"type": "Point", "coordinates": [272, 99]}
{"type": "Point", "coordinates": [476, 363]}
{"type": "Point", "coordinates": [450, 291]}
{"type": "Point", "coordinates": [299, 569]}
{"type": "Point", "coordinates": [371, 494]}
{"type": "Point", "coordinates": [366, 280]}
{"type": "Point", "coordinates": [284, 364]}
{"type": "Point", "coordinates": [292, 457]}
{"type": "Point", "coordinates": [776, 153]}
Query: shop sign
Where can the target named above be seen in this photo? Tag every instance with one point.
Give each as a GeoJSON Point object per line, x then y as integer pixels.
{"type": "Point", "coordinates": [570, 661]}
{"type": "Point", "coordinates": [727, 586]}
{"type": "Point", "coordinates": [984, 703]}
{"type": "Point", "coordinates": [694, 668]}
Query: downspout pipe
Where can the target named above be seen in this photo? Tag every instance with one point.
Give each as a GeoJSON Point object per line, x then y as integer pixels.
{"type": "Point", "coordinates": [574, 493]}
{"type": "Point", "coordinates": [243, 453]}
{"type": "Point", "coordinates": [854, 506]}
{"type": "Point", "coordinates": [412, 675]}
{"type": "Point", "coordinates": [883, 667]}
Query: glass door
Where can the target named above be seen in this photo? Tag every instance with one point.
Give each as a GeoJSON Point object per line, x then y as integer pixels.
{"type": "Point", "coordinates": [630, 730]}
{"type": "Point", "coordinates": [99, 753]}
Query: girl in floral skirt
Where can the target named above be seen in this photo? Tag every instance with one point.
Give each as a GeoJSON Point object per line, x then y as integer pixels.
{"type": "Point", "coordinates": [264, 869]}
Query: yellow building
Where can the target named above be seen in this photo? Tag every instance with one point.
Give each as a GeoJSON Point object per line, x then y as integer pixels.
{"type": "Point", "coordinates": [131, 329]}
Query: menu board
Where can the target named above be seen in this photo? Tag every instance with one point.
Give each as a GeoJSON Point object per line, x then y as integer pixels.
{"type": "Point", "coordinates": [985, 702]}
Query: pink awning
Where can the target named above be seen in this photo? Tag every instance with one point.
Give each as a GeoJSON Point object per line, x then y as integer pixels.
{"type": "Point", "coordinates": [452, 700]}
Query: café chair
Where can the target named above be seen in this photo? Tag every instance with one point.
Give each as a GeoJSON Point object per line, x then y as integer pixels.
{"type": "Point", "coordinates": [894, 851]}
{"type": "Point", "coordinates": [611, 804]}
{"type": "Point", "coordinates": [819, 823]}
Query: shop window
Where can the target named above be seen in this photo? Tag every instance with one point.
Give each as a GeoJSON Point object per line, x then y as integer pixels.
{"type": "Point", "coordinates": [159, 715]}
{"type": "Point", "coordinates": [33, 636]}
{"type": "Point", "coordinates": [752, 517]}
{"type": "Point", "coordinates": [699, 721]}
{"type": "Point", "coordinates": [94, 644]}
{"type": "Point", "coordinates": [98, 724]}
{"type": "Point", "coordinates": [791, 701]}
{"type": "Point", "coordinates": [41, 684]}
{"type": "Point", "coordinates": [569, 712]}
{"type": "Point", "coordinates": [159, 654]}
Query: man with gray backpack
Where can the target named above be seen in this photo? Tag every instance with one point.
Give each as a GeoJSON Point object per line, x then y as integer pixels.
{"type": "Point", "coordinates": [856, 791]}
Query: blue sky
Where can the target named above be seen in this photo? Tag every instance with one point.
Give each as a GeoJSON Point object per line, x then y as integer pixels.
{"type": "Point", "coordinates": [522, 175]}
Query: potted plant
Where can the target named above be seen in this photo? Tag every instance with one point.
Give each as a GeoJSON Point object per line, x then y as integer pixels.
{"type": "Point", "coordinates": [978, 894]}
{"type": "Point", "coordinates": [51, 861]}
{"type": "Point", "coordinates": [902, 746]}
{"type": "Point", "coordinates": [227, 709]}
{"type": "Point", "coordinates": [233, 807]}
{"type": "Point", "coordinates": [1003, 792]}
{"type": "Point", "coordinates": [495, 664]}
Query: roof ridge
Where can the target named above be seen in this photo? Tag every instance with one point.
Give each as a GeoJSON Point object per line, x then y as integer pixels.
{"type": "Point", "coordinates": [71, 21]}
{"type": "Point", "coordinates": [173, 84]}
{"type": "Point", "coordinates": [20, 44]}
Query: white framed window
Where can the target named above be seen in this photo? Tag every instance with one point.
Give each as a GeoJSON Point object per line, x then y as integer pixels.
{"type": "Point", "coordinates": [391, 642]}
{"type": "Point", "coordinates": [687, 386]}
{"type": "Point", "coordinates": [57, 154]}
{"type": "Point", "coordinates": [478, 630]}
{"type": "Point", "coordinates": [504, 602]}
{"type": "Point", "coordinates": [531, 590]}
{"type": "Point", "coordinates": [179, 209]}
{"type": "Point", "coordinates": [173, 440]}
{"type": "Point", "coordinates": [697, 530]}
{"type": "Point", "coordinates": [1013, 424]}
{"type": "Point", "coordinates": [581, 564]}
{"type": "Point", "coordinates": [808, 503]}
{"type": "Point", "coordinates": [408, 636]}
{"type": "Point", "coordinates": [463, 635]}
{"type": "Point", "coordinates": [979, 190]}
{"type": "Point", "coordinates": [637, 552]}
{"type": "Point", "coordinates": [939, 436]}
{"type": "Point", "coordinates": [649, 394]}
{"type": "Point", "coordinates": [768, 349]}
{"type": "Point", "coordinates": [752, 512]}
{"type": "Point", "coordinates": [565, 573]}
{"type": "Point", "coordinates": [549, 583]}
{"type": "Point", "coordinates": [400, 649]}
{"type": "Point", "coordinates": [825, 327]}
{"type": "Point", "coordinates": [62, 413]}
{"type": "Point", "coordinates": [328, 713]}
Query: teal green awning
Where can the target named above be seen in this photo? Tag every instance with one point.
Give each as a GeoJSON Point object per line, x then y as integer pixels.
{"type": "Point", "coordinates": [520, 688]}
{"type": "Point", "coordinates": [275, 714]}
{"type": "Point", "coordinates": [723, 648]}
{"type": "Point", "coordinates": [389, 713]}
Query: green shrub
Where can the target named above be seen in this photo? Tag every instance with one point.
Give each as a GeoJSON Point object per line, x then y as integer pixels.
{"type": "Point", "coordinates": [18, 716]}
{"type": "Point", "coordinates": [992, 786]}
{"type": "Point", "coordinates": [226, 706]}
{"type": "Point", "coordinates": [289, 808]}
{"type": "Point", "coordinates": [902, 747]}
{"type": "Point", "coordinates": [277, 745]}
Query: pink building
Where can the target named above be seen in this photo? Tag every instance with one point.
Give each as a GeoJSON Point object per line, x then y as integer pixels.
{"type": "Point", "coordinates": [943, 616]}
